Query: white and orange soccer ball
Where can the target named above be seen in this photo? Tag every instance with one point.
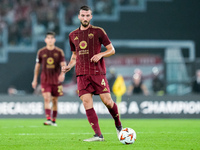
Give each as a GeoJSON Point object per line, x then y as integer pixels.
{"type": "Point", "coordinates": [127, 136]}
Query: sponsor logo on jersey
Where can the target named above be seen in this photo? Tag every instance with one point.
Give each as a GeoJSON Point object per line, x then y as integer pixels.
{"type": "Point", "coordinates": [82, 52]}
{"type": "Point", "coordinates": [83, 44]}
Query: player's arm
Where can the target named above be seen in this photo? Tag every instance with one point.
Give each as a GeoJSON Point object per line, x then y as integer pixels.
{"type": "Point", "coordinates": [110, 50]}
{"type": "Point", "coordinates": [71, 64]}
{"type": "Point", "coordinates": [61, 77]}
{"type": "Point", "coordinates": [36, 73]}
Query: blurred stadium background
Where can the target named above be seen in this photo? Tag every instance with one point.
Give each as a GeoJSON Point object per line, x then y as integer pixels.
{"type": "Point", "coordinates": [146, 34]}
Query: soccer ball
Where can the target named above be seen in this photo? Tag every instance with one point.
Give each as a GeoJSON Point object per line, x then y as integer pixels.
{"type": "Point", "coordinates": [127, 136]}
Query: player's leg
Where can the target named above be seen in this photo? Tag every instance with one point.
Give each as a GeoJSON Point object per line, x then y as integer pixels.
{"type": "Point", "coordinates": [55, 110]}
{"type": "Point", "coordinates": [47, 107]}
{"type": "Point", "coordinates": [100, 83]}
{"type": "Point", "coordinates": [56, 91]}
{"type": "Point", "coordinates": [92, 117]}
{"type": "Point", "coordinates": [85, 93]}
{"type": "Point", "coordinates": [113, 109]}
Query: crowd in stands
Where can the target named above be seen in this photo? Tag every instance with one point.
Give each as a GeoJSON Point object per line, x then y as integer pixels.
{"type": "Point", "coordinates": [15, 15]}
{"type": "Point", "coordinates": [71, 11]}
{"type": "Point", "coordinates": [101, 7]}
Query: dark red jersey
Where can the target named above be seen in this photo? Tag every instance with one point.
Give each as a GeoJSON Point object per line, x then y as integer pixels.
{"type": "Point", "coordinates": [50, 61]}
{"type": "Point", "coordinates": [87, 43]}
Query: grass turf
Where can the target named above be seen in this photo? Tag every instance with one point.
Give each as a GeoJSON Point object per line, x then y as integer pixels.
{"type": "Point", "coordinates": [152, 134]}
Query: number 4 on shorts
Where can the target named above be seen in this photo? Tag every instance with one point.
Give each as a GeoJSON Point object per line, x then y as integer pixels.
{"type": "Point", "coordinates": [103, 82]}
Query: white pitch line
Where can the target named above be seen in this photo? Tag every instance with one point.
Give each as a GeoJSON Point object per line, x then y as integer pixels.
{"type": "Point", "coordinates": [21, 127]}
{"type": "Point", "coordinates": [33, 134]}
{"type": "Point", "coordinates": [50, 133]}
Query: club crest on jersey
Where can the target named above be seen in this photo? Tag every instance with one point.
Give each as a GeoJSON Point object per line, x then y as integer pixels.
{"type": "Point", "coordinates": [50, 61]}
{"type": "Point", "coordinates": [91, 35]}
{"type": "Point", "coordinates": [83, 44]}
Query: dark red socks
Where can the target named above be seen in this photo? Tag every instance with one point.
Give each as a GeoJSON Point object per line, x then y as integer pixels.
{"type": "Point", "coordinates": [93, 120]}
{"type": "Point", "coordinates": [48, 114]}
{"type": "Point", "coordinates": [114, 112]}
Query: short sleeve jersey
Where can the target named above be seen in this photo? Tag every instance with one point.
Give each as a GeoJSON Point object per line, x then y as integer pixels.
{"type": "Point", "coordinates": [87, 43]}
{"type": "Point", "coordinates": [50, 61]}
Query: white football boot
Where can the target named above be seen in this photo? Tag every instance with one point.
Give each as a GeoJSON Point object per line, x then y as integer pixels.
{"type": "Point", "coordinates": [48, 123]}
{"type": "Point", "coordinates": [54, 124]}
{"type": "Point", "coordinates": [119, 128]}
{"type": "Point", "coordinates": [95, 138]}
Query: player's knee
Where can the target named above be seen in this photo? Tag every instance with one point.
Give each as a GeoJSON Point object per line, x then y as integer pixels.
{"type": "Point", "coordinates": [54, 102]}
{"type": "Point", "coordinates": [46, 100]}
{"type": "Point", "coordinates": [108, 103]}
{"type": "Point", "coordinates": [54, 99]}
{"type": "Point", "coordinates": [86, 102]}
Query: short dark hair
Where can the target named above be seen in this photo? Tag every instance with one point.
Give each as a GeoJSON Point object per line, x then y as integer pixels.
{"type": "Point", "coordinates": [51, 33]}
{"type": "Point", "coordinates": [85, 7]}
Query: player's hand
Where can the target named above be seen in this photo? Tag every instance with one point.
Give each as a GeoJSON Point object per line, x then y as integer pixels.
{"type": "Point", "coordinates": [96, 58]}
{"type": "Point", "coordinates": [34, 84]}
{"type": "Point", "coordinates": [61, 77]}
{"type": "Point", "coordinates": [66, 69]}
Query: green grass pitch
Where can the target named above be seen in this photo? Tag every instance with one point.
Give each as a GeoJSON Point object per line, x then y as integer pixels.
{"type": "Point", "coordinates": [152, 134]}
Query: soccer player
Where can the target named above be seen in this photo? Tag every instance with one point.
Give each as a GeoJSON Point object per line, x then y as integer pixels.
{"type": "Point", "coordinates": [50, 58]}
{"type": "Point", "coordinates": [85, 43]}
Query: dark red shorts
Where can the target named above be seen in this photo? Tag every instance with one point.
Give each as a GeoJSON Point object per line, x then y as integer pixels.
{"type": "Point", "coordinates": [95, 84]}
{"type": "Point", "coordinates": [55, 90]}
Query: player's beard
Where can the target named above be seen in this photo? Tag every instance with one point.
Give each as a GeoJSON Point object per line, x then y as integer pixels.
{"type": "Point", "coordinates": [85, 23]}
